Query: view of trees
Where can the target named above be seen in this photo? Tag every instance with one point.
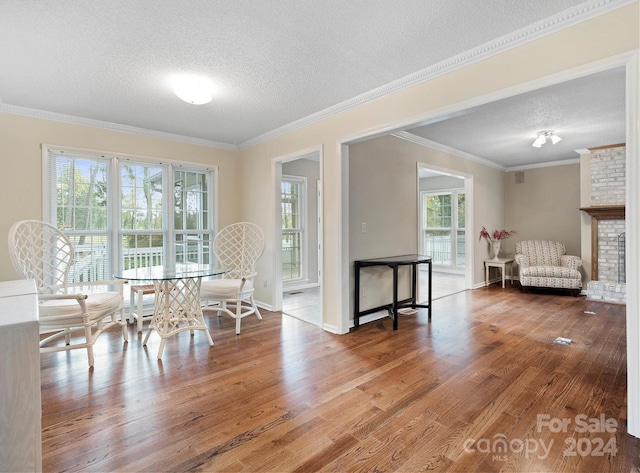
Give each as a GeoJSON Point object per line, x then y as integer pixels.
{"type": "Point", "coordinates": [81, 194]}
{"type": "Point", "coordinates": [444, 222]}
{"type": "Point", "coordinates": [85, 192]}
{"type": "Point", "coordinates": [440, 211]}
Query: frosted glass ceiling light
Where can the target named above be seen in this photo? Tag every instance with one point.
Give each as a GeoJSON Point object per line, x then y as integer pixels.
{"type": "Point", "coordinates": [192, 90]}
{"type": "Point", "coordinates": [555, 138]}
{"type": "Point", "coordinates": [542, 138]}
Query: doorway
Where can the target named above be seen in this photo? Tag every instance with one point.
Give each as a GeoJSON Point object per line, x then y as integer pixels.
{"type": "Point", "coordinates": [298, 227]}
{"type": "Point", "coordinates": [443, 198]}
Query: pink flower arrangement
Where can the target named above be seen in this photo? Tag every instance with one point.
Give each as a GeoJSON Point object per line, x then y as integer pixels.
{"type": "Point", "coordinates": [497, 234]}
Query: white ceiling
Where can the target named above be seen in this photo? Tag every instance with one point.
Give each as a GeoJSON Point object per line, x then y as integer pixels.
{"type": "Point", "coordinates": [278, 62]}
{"type": "Point", "coordinates": [585, 112]}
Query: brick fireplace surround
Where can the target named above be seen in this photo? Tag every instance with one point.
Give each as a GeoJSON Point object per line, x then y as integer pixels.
{"type": "Point", "coordinates": [607, 212]}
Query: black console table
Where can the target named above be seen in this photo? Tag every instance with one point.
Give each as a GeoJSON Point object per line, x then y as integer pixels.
{"type": "Point", "coordinates": [393, 262]}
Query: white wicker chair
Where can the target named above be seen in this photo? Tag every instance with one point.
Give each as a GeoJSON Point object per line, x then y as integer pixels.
{"type": "Point", "coordinates": [42, 252]}
{"type": "Point", "coordinates": [237, 248]}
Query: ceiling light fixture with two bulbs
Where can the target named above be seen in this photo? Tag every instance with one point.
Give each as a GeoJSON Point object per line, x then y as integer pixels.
{"type": "Point", "coordinates": [542, 138]}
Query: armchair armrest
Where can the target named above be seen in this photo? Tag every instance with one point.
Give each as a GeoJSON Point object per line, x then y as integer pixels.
{"type": "Point", "coordinates": [106, 282]}
{"type": "Point", "coordinates": [51, 297]}
{"type": "Point", "coordinates": [246, 278]}
{"type": "Point", "coordinates": [522, 260]}
{"type": "Point", "coordinates": [569, 261]}
{"type": "Point", "coordinates": [79, 298]}
{"type": "Point", "coordinates": [86, 285]}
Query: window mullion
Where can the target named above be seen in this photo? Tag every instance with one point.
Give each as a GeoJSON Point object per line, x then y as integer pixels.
{"type": "Point", "coordinates": [114, 217]}
{"type": "Point", "coordinates": [454, 227]}
{"type": "Point", "coordinates": [294, 210]}
{"type": "Point", "coordinates": [168, 217]}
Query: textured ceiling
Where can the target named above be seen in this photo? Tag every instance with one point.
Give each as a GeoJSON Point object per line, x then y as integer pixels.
{"type": "Point", "coordinates": [585, 112]}
{"type": "Point", "coordinates": [272, 62]}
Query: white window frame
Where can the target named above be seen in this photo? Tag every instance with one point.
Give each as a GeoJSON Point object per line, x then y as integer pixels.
{"type": "Point", "coordinates": [454, 221]}
{"type": "Point", "coordinates": [302, 204]}
{"type": "Point", "coordinates": [114, 216]}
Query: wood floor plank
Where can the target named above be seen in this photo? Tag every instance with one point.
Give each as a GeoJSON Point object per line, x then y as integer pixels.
{"type": "Point", "coordinates": [287, 396]}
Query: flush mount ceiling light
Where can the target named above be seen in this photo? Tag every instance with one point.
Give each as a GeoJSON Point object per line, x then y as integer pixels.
{"type": "Point", "coordinates": [193, 90]}
{"type": "Point", "coordinates": [542, 138]}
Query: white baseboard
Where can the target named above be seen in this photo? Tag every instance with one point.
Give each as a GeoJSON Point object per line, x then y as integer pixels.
{"type": "Point", "coordinates": [444, 269]}
{"type": "Point", "coordinates": [497, 280]}
{"type": "Point", "coordinates": [331, 328]}
{"type": "Point", "coordinates": [365, 319]}
{"type": "Point", "coordinates": [264, 306]}
{"type": "Point", "coordinates": [299, 287]}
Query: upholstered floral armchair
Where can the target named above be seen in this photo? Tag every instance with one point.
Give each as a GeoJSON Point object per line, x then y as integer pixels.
{"type": "Point", "coordinates": [543, 263]}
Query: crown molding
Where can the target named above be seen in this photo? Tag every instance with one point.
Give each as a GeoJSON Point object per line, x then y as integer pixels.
{"type": "Point", "coordinates": [543, 165]}
{"type": "Point", "coordinates": [404, 135]}
{"type": "Point", "coordinates": [562, 20]}
{"type": "Point", "coordinates": [60, 117]}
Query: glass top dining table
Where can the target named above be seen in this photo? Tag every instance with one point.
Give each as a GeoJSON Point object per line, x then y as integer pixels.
{"type": "Point", "coordinates": [177, 297]}
{"type": "Point", "coordinates": [177, 271]}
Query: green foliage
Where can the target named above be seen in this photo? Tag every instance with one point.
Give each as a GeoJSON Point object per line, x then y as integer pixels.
{"type": "Point", "coordinates": [439, 211]}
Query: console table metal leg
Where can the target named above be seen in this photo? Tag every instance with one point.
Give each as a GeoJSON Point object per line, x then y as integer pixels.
{"type": "Point", "coordinates": [414, 283]}
{"type": "Point", "coordinates": [395, 297]}
{"type": "Point", "coordinates": [356, 297]}
{"type": "Point", "coordinates": [429, 284]}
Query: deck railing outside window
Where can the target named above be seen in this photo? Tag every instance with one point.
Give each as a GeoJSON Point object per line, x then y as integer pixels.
{"type": "Point", "coordinates": [437, 244]}
{"type": "Point", "coordinates": [90, 263]}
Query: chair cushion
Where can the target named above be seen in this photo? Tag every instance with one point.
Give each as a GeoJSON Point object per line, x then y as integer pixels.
{"type": "Point", "coordinates": [98, 305]}
{"type": "Point", "coordinates": [541, 252]}
{"type": "Point", "coordinates": [224, 288]}
{"type": "Point", "coordinates": [559, 283]}
{"type": "Point", "coordinates": [550, 272]}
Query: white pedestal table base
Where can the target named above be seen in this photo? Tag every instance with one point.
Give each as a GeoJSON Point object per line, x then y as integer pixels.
{"type": "Point", "coordinates": [177, 309]}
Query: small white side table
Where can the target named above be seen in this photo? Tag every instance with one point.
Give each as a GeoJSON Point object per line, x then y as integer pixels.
{"type": "Point", "coordinates": [501, 263]}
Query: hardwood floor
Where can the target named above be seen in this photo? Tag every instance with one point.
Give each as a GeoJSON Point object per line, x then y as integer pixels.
{"type": "Point", "coordinates": [462, 393]}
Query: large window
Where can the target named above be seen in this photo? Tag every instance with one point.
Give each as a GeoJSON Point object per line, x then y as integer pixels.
{"type": "Point", "coordinates": [124, 213]}
{"type": "Point", "coordinates": [293, 189]}
{"type": "Point", "coordinates": [443, 227]}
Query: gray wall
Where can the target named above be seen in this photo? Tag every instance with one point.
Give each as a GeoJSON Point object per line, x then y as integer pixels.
{"type": "Point", "coordinates": [383, 193]}
{"type": "Point", "coordinates": [545, 206]}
